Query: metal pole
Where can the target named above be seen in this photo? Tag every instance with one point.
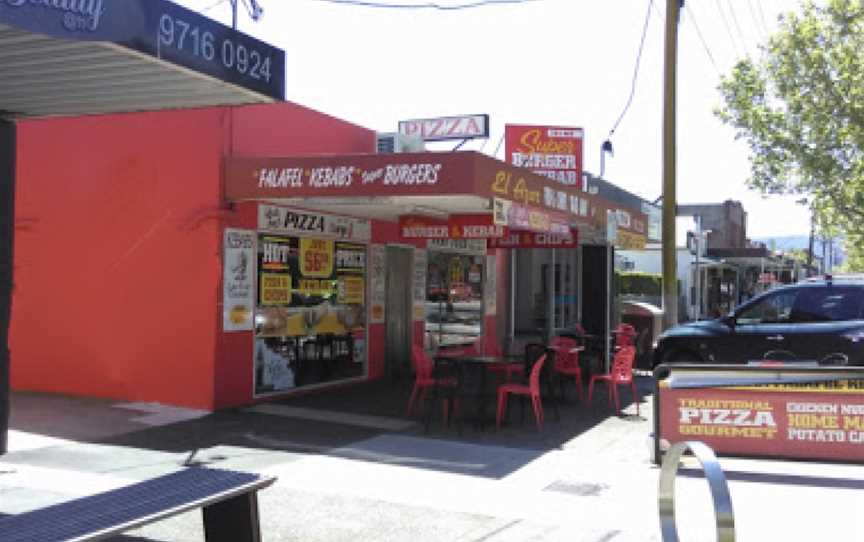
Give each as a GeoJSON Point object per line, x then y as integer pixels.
{"type": "Point", "coordinates": [234, 14]}
{"type": "Point", "coordinates": [550, 315]}
{"type": "Point", "coordinates": [609, 274]}
{"type": "Point", "coordinates": [670, 283]}
{"type": "Point", "coordinates": [579, 284]}
{"type": "Point", "coordinates": [698, 269]}
{"type": "Point", "coordinates": [512, 298]}
{"type": "Point", "coordinates": [7, 241]}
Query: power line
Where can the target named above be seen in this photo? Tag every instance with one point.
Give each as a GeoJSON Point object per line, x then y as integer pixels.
{"type": "Point", "coordinates": [427, 5]}
{"type": "Point", "coordinates": [738, 27]}
{"type": "Point", "coordinates": [659, 15]}
{"type": "Point", "coordinates": [635, 69]}
{"type": "Point", "coordinates": [728, 29]}
{"type": "Point", "coordinates": [762, 18]}
{"type": "Point", "coordinates": [763, 30]}
{"type": "Point", "coordinates": [701, 37]}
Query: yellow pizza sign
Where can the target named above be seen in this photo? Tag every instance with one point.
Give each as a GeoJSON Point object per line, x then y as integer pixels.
{"type": "Point", "coordinates": [316, 258]}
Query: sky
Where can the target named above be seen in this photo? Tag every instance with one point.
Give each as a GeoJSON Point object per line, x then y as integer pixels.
{"type": "Point", "coordinates": [561, 62]}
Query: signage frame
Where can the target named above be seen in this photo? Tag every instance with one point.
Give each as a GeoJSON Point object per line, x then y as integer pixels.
{"type": "Point", "coordinates": [447, 128]}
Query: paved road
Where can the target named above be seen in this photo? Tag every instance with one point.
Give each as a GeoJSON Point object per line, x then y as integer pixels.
{"type": "Point", "coordinates": [359, 481]}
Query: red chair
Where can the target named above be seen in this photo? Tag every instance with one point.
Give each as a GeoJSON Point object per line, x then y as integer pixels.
{"type": "Point", "coordinates": [532, 390]}
{"type": "Point", "coordinates": [625, 335]}
{"type": "Point", "coordinates": [424, 379]}
{"type": "Point", "coordinates": [567, 361]}
{"type": "Point", "coordinates": [621, 373]}
{"type": "Point", "coordinates": [486, 345]}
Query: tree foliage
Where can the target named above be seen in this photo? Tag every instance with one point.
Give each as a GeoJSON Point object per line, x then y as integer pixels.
{"type": "Point", "coordinates": [800, 107]}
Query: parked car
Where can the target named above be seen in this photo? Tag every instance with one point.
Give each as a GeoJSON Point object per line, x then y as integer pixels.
{"type": "Point", "coordinates": [816, 321]}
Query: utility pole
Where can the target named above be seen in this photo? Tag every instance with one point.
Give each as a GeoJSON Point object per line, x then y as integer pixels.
{"type": "Point", "coordinates": [670, 201]}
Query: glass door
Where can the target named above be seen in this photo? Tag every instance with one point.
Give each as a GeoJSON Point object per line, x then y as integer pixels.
{"type": "Point", "coordinates": [454, 299]}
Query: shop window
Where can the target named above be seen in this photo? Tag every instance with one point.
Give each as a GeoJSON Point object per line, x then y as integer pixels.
{"type": "Point", "coordinates": [454, 299]}
{"type": "Point", "coordinates": [310, 321]}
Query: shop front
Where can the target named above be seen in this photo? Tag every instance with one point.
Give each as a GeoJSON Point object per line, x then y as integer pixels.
{"type": "Point", "coordinates": [492, 250]}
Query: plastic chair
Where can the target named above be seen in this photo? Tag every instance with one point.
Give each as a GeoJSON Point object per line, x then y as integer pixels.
{"type": "Point", "coordinates": [625, 335]}
{"type": "Point", "coordinates": [424, 379]}
{"type": "Point", "coordinates": [532, 390]}
{"type": "Point", "coordinates": [567, 361]}
{"type": "Point", "coordinates": [621, 373]}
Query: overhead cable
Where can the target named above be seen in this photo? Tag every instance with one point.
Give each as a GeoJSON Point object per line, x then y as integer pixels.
{"type": "Point", "coordinates": [701, 37]}
{"type": "Point", "coordinates": [427, 5]}
{"type": "Point", "coordinates": [738, 27]}
{"type": "Point", "coordinates": [762, 18]}
{"type": "Point", "coordinates": [635, 69]}
{"type": "Point", "coordinates": [728, 29]}
{"type": "Point", "coordinates": [756, 24]}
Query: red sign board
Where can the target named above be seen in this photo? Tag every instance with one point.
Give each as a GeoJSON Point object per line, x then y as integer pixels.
{"type": "Point", "coordinates": [527, 239]}
{"type": "Point", "coordinates": [821, 420]}
{"type": "Point", "coordinates": [552, 151]}
{"type": "Point", "coordinates": [478, 226]}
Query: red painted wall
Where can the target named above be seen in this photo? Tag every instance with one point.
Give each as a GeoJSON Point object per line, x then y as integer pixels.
{"type": "Point", "coordinates": [118, 248]}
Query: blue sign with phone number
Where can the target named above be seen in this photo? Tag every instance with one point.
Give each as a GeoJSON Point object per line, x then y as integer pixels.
{"type": "Point", "coordinates": [160, 29]}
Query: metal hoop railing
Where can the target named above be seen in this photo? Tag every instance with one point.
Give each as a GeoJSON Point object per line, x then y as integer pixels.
{"type": "Point", "coordinates": [723, 514]}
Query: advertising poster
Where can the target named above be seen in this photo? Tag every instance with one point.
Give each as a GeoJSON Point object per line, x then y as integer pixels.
{"type": "Point", "coordinates": [377, 282]}
{"type": "Point", "coordinates": [552, 151]}
{"type": "Point", "coordinates": [274, 268]}
{"type": "Point", "coordinates": [274, 371]}
{"type": "Point", "coordinates": [804, 421]}
{"type": "Point", "coordinates": [421, 271]}
{"type": "Point", "coordinates": [275, 289]}
{"type": "Point", "coordinates": [316, 257]}
{"type": "Point", "coordinates": [238, 280]}
{"type": "Point", "coordinates": [350, 290]}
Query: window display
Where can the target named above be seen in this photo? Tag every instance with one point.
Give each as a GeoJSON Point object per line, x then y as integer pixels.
{"type": "Point", "coordinates": [454, 299]}
{"type": "Point", "coordinates": [310, 316]}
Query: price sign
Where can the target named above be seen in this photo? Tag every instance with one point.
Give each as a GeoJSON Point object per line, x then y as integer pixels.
{"type": "Point", "coordinates": [275, 289]}
{"type": "Point", "coordinates": [316, 257]}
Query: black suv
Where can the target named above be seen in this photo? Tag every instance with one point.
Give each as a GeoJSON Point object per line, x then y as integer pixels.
{"type": "Point", "coordinates": [815, 320]}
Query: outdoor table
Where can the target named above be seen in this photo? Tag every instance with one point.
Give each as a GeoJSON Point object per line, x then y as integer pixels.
{"type": "Point", "coordinates": [471, 374]}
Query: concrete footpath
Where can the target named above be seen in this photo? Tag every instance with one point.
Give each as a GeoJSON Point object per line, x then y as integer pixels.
{"type": "Point", "coordinates": [375, 479]}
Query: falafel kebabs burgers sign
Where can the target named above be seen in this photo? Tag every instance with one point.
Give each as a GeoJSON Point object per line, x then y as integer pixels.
{"type": "Point", "coordinates": [238, 282]}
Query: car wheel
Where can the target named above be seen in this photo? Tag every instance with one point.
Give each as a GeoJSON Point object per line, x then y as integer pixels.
{"type": "Point", "coordinates": [683, 356]}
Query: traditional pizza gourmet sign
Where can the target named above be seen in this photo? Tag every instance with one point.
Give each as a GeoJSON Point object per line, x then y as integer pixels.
{"type": "Point", "coordinates": [819, 421]}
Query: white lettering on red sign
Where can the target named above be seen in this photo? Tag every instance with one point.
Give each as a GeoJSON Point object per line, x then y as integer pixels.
{"type": "Point", "coordinates": [411, 174]}
{"type": "Point", "coordinates": [291, 177]}
{"type": "Point", "coordinates": [325, 177]}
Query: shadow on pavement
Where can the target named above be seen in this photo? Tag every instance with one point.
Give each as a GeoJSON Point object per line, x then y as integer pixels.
{"type": "Point", "coordinates": [241, 438]}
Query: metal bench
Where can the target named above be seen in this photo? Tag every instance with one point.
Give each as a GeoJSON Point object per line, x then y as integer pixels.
{"type": "Point", "coordinates": [228, 500]}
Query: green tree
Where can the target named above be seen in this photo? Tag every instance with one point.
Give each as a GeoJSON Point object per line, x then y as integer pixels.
{"type": "Point", "coordinates": [800, 107]}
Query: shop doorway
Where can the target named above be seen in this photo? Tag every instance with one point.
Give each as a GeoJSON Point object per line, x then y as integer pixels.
{"type": "Point", "coordinates": [397, 344]}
